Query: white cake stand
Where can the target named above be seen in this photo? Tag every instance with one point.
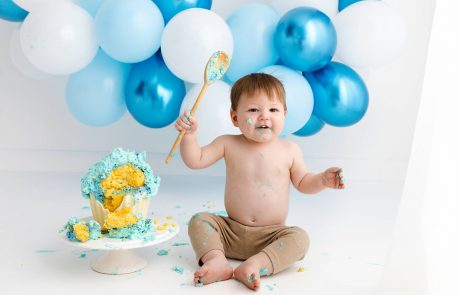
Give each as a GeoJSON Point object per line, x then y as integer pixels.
{"type": "Point", "coordinates": [118, 257]}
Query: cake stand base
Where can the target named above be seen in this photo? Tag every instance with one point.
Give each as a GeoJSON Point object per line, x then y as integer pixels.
{"type": "Point", "coordinates": [117, 262]}
{"type": "Point", "coordinates": [119, 257]}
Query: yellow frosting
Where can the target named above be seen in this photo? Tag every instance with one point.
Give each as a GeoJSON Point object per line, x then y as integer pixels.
{"type": "Point", "coordinates": [81, 232]}
{"type": "Point", "coordinates": [119, 219]}
{"type": "Point", "coordinates": [120, 178]}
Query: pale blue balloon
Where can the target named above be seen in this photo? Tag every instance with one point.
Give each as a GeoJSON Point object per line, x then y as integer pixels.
{"type": "Point", "coordinates": [299, 97]}
{"type": "Point", "coordinates": [96, 94]}
{"type": "Point", "coordinates": [305, 39]}
{"type": "Point", "coordinates": [341, 96]}
{"type": "Point", "coordinates": [253, 26]}
{"type": "Point", "coordinates": [92, 6]}
{"type": "Point", "coordinates": [129, 31]}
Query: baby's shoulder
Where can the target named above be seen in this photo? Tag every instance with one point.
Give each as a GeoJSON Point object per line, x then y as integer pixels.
{"type": "Point", "coordinates": [289, 145]}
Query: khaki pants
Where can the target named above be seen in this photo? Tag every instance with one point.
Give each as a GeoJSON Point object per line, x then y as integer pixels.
{"type": "Point", "coordinates": [284, 245]}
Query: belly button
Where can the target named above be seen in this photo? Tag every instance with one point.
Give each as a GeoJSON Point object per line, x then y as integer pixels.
{"type": "Point", "coordinates": [253, 220]}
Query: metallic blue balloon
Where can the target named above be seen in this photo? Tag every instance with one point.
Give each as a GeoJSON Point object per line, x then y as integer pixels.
{"type": "Point", "coordinates": [170, 8]}
{"type": "Point", "coordinates": [305, 39]}
{"type": "Point", "coordinates": [345, 3]}
{"type": "Point", "coordinates": [11, 12]}
{"type": "Point", "coordinates": [313, 126]}
{"type": "Point", "coordinates": [340, 95]}
{"type": "Point", "coordinates": [153, 94]}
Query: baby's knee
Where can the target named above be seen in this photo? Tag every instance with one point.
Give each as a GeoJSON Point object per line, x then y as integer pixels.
{"type": "Point", "coordinates": [301, 239]}
{"type": "Point", "coordinates": [197, 220]}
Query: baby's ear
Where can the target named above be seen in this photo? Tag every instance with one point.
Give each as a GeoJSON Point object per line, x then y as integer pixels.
{"type": "Point", "coordinates": [234, 118]}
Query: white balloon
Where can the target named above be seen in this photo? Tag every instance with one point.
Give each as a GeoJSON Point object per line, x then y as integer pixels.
{"type": "Point", "coordinates": [213, 113]}
{"type": "Point", "coordinates": [32, 5]}
{"type": "Point", "coordinates": [21, 62]}
{"type": "Point", "coordinates": [370, 34]}
{"type": "Point", "coordinates": [189, 40]}
{"type": "Point", "coordinates": [329, 7]}
{"type": "Point", "coordinates": [59, 39]}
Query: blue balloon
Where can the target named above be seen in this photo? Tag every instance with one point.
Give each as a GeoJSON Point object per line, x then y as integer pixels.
{"type": "Point", "coordinates": [170, 8]}
{"type": "Point", "coordinates": [153, 94]}
{"type": "Point", "coordinates": [129, 31]}
{"type": "Point", "coordinates": [95, 95]}
{"type": "Point", "coordinates": [345, 3]}
{"type": "Point", "coordinates": [340, 95]}
{"type": "Point", "coordinates": [11, 12]}
{"type": "Point", "coordinates": [253, 27]}
{"type": "Point", "coordinates": [313, 126]}
{"type": "Point", "coordinates": [92, 6]}
{"type": "Point", "coordinates": [305, 39]}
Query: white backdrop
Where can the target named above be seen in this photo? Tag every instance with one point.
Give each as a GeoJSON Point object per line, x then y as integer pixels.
{"type": "Point", "coordinates": [38, 133]}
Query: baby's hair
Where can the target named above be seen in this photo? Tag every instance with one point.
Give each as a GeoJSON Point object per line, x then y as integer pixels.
{"type": "Point", "coordinates": [253, 83]}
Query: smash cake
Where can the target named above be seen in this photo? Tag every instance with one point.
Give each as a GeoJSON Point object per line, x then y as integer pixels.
{"type": "Point", "coordinates": [119, 188]}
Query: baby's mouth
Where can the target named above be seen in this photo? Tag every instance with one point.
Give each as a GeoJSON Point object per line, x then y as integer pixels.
{"type": "Point", "coordinates": [263, 127]}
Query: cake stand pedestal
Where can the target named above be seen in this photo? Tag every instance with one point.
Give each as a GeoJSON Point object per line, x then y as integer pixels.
{"type": "Point", "coordinates": [119, 256]}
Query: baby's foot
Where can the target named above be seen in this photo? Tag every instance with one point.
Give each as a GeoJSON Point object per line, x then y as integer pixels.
{"type": "Point", "coordinates": [214, 270]}
{"type": "Point", "coordinates": [248, 274]}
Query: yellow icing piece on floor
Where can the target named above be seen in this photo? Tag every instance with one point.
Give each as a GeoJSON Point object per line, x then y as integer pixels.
{"type": "Point", "coordinates": [119, 219]}
{"type": "Point", "coordinates": [165, 224]}
{"type": "Point", "coordinates": [174, 224]}
{"type": "Point", "coordinates": [155, 221]}
{"type": "Point", "coordinates": [120, 177]}
{"type": "Point", "coordinates": [161, 227]}
{"type": "Point", "coordinates": [169, 217]}
{"type": "Point", "coordinates": [301, 269]}
{"type": "Point", "coordinates": [81, 232]}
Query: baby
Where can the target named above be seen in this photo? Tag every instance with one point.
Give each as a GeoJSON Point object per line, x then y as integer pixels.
{"type": "Point", "coordinates": [260, 167]}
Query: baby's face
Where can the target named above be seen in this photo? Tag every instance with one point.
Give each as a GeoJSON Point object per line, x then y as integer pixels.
{"type": "Point", "coordinates": [259, 118]}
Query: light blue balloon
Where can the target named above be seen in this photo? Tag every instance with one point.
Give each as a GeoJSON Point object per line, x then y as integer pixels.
{"type": "Point", "coordinates": [96, 94]}
{"type": "Point", "coordinates": [129, 31]}
{"type": "Point", "coordinates": [299, 97]}
{"type": "Point", "coordinates": [305, 39]}
{"type": "Point", "coordinates": [153, 94]}
{"type": "Point", "coordinates": [253, 27]}
{"type": "Point", "coordinates": [341, 96]}
{"type": "Point", "coordinates": [170, 8]}
{"type": "Point", "coordinates": [92, 6]}
{"type": "Point", "coordinates": [313, 126]}
{"type": "Point", "coordinates": [345, 3]}
{"type": "Point", "coordinates": [11, 12]}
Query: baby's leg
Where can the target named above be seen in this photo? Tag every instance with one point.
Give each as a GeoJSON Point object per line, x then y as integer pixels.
{"type": "Point", "coordinates": [204, 231]}
{"type": "Point", "coordinates": [250, 271]}
{"type": "Point", "coordinates": [288, 245]}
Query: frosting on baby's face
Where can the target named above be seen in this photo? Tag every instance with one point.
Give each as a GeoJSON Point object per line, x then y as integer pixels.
{"type": "Point", "coordinates": [259, 118]}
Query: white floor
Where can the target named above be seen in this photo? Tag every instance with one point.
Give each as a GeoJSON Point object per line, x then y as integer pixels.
{"type": "Point", "coordinates": [350, 234]}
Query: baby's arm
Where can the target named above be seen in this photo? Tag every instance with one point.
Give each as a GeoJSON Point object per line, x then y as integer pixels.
{"type": "Point", "coordinates": [193, 155]}
{"type": "Point", "coordinates": [311, 183]}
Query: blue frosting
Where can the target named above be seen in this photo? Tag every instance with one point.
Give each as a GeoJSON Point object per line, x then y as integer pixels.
{"type": "Point", "coordinates": [135, 231]}
{"type": "Point", "coordinates": [119, 157]}
{"type": "Point", "coordinates": [93, 227]}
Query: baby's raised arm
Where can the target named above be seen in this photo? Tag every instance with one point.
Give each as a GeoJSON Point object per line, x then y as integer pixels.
{"type": "Point", "coordinates": [310, 183]}
{"type": "Point", "coordinates": [193, 155]}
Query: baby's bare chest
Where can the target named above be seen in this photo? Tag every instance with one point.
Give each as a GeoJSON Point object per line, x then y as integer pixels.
{"type": "Point", "coordinates": [258, 167]}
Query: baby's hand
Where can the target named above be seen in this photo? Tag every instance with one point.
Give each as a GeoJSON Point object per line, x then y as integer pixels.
{"type": "Point", "coordinates": [186, 122]}
{"type": "Point", "coordinates": [333, 178]}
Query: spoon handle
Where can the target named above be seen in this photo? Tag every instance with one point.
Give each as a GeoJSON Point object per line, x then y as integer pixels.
{"type": "Point", "coordinates": [181, 134]}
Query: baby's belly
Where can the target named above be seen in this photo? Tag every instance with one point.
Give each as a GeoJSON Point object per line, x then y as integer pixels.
{"type": "Point", "coordinates": [257, 210]}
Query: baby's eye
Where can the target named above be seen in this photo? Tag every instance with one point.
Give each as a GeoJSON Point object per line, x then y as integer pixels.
{"type": "Point", "coordinates": [274, 110]}
{"type": "Point", "coordinates": [253, 110]}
